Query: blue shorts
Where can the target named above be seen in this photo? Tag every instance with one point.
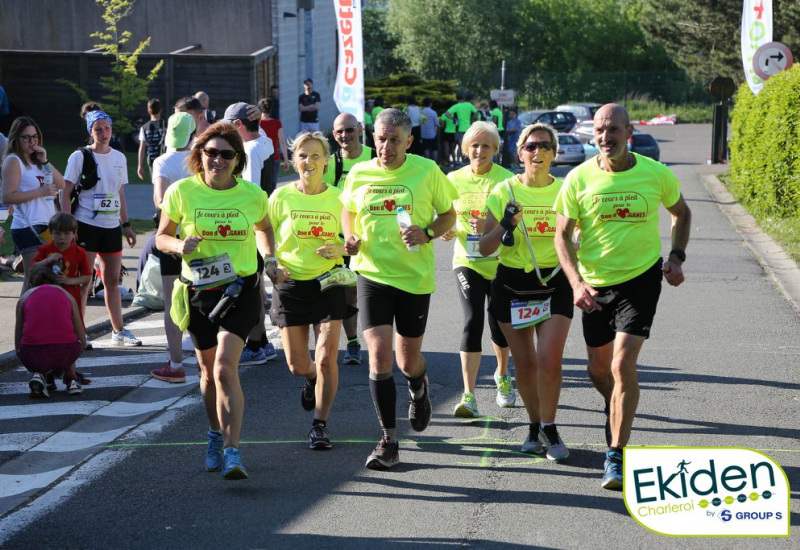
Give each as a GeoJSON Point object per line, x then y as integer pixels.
{"type": "Point", "coordinates": [25, 240]}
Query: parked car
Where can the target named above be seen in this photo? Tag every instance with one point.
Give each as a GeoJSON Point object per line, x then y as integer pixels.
{"type": "Point", "coordinates": [582, 111]}
{"type": "Point", "coordinates": [561, 121]}
{"type": "Point", "coordinates": [570, 150]}
{"type": "Point", "coordinates": [644, 144]}
{"type": "Point", "coordinates": [584, 131]}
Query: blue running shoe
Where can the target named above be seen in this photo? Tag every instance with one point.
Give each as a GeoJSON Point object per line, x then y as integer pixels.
{"type": "Point", "coordinates": [214, 453]}
{"type": "Point", "coordinates": [234, 469]}
{"type": "Point", "coordinates": [612, 479]}
{"type": "Point", "coordinates": [249, 357]}
{"type": "Point", "coordinates": [269, 351]}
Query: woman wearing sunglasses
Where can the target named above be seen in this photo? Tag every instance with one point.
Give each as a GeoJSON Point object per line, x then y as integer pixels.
{"type": "Point", "coordinates": [306, 215]}
{"type": "Point", "coordinates": [24, 187]}
{"type": "Point", "coordinates": [99, 211]}
{"type": "Point", "coordinates": [473, 271]}
{"type": "Point", "coordinates": [530, 296]}
{"type": "Point", "coordinates": [223, 219]}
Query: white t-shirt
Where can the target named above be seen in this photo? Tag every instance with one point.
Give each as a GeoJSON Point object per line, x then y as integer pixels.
{"type": "Point", "coordinates": [413, 113]}
{"type": "Point", "coordinates": [172, 165]}
{"type": "Point", "coordinates": [258, 150]}
{"type": "Point", "coordinates": [100, 205]}
{"type": "Point", "coordinates": [36, 211]}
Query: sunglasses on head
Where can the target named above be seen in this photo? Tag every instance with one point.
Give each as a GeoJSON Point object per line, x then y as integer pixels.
{"type": "Point", "coordinates": [531, 146]}
{"type": "Point", "coordinates": [228, 154]}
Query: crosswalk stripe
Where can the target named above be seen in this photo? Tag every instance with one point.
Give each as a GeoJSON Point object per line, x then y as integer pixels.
{"type": "Point", "coordinates": [15, 388]}
{"type": "Point", "coordinates": [81, 408]}
{"type": "Point", "coordinates": [22, 441]}
{"type": "Point", "coordinates": [68, 441]}
{"type": "Point", "coordinates": [11, 485]}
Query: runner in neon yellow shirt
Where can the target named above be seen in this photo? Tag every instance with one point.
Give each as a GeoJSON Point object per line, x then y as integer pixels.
{"type": "Point", "coordinates": [222, 219]}
{"type": "Point", "coordinates": [466, 113]}
{"type": "Point", "coordinates": [613, 199]}
{"type": "Point", "coordinates": [473, 271]}
{"type": "Point", "coordinates": [306, 215]}
{"type": "Point", "coordinates": [394, 284]}
{"type": "Point", "coordinates": [530, 297]}
{"type": "Point", "coordinates": [448, 140]}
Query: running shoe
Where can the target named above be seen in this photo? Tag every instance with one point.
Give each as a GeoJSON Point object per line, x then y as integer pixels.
{"type": "Point", "coordinates": [308, 398]}
{"type": "Point", "coordinates": [506, 396]}
{"type": "Point", "coordinates": [338, 276]}
{"type": "Point", "coordinates": [548, 436]}
{"type": "Point", "coordinates": [385, 455]}
{"type": "Point", "coordinates": [38, 387]}
{"type": "Point", "coordinates": [468, 407]}
{"type": "Point", "coordinates": [352, 355]}
{"type": "Point", "coordinates": [124, 338]}
{"type": "Point", "coordinates": [607, 426]}
{"type": "Point", "coordinates": [89, 345]}
{"type": "Point", "coordinates": [168, 374]}
{"type": "Point", "coordinates": [73, 386]}
{"type": "Point", "coordinates": [419, 410]}
{"type": "Point", "coordinates": [214, 457]}
{"type": "Point", "coordinates": [51, 382]}
{"type": "Point", "coordinates": [250, 357]}
{"type": "Point", "coordinates": [269, 351]}
{"type": "Point", "coordinates": [318, 438]}
{"type": "Point", "coordinates": [82, 379]}
{"type": "Point", "coordinates": [612, 478]}
{"type": "Point", "coordinates": [234, 469]}
{"type": "Point", "coordinates": [531, 444]}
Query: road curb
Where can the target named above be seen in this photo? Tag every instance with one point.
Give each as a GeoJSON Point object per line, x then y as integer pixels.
{"type": "Point", "coordinates": [776, 262]}
{"type": "Point", "coordinates": [8, 360]}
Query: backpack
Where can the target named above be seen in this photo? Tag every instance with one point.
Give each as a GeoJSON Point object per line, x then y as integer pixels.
{"type": "Point", "coordinates": [339, 165]}
{"type": "Point", "coordinates": [89, 178]}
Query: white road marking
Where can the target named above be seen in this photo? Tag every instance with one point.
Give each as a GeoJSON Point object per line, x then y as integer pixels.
{"type": "Point", "coordinates": [22, 441]}
{"type": "Point", "coordinates": [81, 408]}
{"type": "Point", "coordinates": [67, 441]}
{"type": "Point", "coordinates": [15, 485]}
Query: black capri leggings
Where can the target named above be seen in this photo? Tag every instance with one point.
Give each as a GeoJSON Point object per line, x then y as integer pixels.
{"type": "Point", "coordinates": [473, 291]}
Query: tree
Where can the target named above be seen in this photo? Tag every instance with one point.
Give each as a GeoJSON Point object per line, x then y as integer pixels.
{"type": "Point", "coordinates": [379, 46]}
{"type": "Point", "coordinates": [703, 36]}
{"type": "Point", "coordinates": [126, 89]}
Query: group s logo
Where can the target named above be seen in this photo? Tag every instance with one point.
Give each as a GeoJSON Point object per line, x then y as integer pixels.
{"type": "Point", "coordinates": [725, 516]}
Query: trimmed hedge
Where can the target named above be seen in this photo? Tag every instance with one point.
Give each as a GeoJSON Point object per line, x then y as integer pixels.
{"type": "Point", "coordinates": [765, 146]}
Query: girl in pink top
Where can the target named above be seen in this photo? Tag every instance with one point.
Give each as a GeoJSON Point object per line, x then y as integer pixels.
{"type": "Point", "coordinates": [49, 334]}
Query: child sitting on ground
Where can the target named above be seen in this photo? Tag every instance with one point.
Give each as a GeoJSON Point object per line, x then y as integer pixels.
{"type": "Point", "coordinates": [68, 261]}
{"type": "Point", "coordinates": [49, 334]}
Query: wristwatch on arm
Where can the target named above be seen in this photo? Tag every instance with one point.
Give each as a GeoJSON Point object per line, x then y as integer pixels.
{"type": "Point", "coordinates": [429, 232]}
{"type": "Point", "coordinates": [680, 254]}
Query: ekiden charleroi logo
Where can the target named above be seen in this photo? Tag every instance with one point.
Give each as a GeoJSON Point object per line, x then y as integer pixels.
{"type": "Point", "coordinates": [706, 491]}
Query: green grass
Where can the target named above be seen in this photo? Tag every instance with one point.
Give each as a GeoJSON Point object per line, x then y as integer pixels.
{"type": "Point", "coordinates": [58, 154]}
{"type": "Point", "coordinates": [785, 231]}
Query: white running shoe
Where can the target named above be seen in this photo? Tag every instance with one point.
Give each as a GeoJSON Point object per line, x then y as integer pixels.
{"type": "Point", "coordinates": [506, 396]}
{"type": "Point", "coordinates": [124, 338]}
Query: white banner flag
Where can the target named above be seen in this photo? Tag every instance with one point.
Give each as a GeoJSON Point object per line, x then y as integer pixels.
{"type": "Point", "coordinates": [349, 91]}
{"type": "Point", "coordinates": [756, 31]}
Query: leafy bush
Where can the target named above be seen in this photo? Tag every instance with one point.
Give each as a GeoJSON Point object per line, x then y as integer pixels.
{"type": "Point", "coordinates": [765, 146]}
{"type": "Point", "coordinates": [395, 89]}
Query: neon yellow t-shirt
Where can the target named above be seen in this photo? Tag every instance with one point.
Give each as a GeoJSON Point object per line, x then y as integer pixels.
{"type": "Point", "coordinates": [375, 112]}
{"type": "Point", "coordinates": [496, 112]}
{"type": "Point", "coordinates": [373, 194]}
{"type": "Point", "coordinates": [224, 218]}
{"type": "Point", "coordinates": [347, 164]}
{"type": "Point", "coordinates": [617, 213]}
{"type": "Point", "coordinates": [449, 125]}
{"type": "Point", "coordinates": [464, 112]}
{"type": "Point", "coordinates": [539, 218]}
{"type": "Point", "coordinates": [302, 224]}
{"type": "Point", "coordinates": [473, 191]}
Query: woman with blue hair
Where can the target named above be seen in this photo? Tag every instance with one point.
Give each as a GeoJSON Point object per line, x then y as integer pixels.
{"type": "Point", "coordinates": [100, 209]}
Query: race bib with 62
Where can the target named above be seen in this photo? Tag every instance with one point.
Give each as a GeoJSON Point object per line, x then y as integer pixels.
{"type": "Point", "coordinates": [106, 204]}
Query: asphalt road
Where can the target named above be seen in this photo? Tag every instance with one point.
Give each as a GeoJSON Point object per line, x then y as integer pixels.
{"type": "Point", "coordinates": [721, 369]}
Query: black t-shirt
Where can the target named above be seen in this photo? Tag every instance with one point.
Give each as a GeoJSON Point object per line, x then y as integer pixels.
{"type": "Point", "coordinates": [154, 130]}
{"type": "Point", "coordinates": [306, 100]}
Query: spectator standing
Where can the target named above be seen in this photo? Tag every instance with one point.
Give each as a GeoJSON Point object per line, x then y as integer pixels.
{"type": "Point", "coordinates": [429, 130]}
{"type": "Point", "coordinates": [209, 115]}
{"type": "Point", "coordinates": [308, 105]}
{"type": "Point", "coordinates": [274, 130]}
{"type": "Point", "coordinates": [415, 114]}
{"type": "Point", "coordinates": [151, 137]}
{"type": "Point", "coordinates": [513, 128]}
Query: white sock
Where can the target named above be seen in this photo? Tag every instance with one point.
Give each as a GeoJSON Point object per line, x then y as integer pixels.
{"type": "Point", "coordinates": [543, 424]}
{"type": "Point", "coordinates": [174, 365]}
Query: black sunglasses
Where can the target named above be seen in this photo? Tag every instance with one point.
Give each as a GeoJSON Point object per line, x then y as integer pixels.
{"type": "Point", "coordinates": [228, 154]}
{"type": "Point", "coordinates": [531, 146]}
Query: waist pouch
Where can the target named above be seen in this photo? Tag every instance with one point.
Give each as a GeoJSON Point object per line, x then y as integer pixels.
{"type": "Point", "coordinates": [525, 286]}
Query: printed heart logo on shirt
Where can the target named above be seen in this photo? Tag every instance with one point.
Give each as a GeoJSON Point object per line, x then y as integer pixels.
{"type": "Point", "coordinates": [476, 213]}
{"type": "Point", "coordinates": [316, 230]}
{"type": "Point", "coordinates": [223, 229]}
{"type": "Point", "coordinates": [389, 205]}
{"type": "Point", "coordinates": [622, 212]}
{"type": "Point", "coordinates": [542, 226]}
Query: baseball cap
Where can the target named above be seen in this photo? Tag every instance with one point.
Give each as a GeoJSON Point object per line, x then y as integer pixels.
{"type": "Point", "coordinates": [179, 129]}
{"type": "Point", "coordinates": [237, 111]}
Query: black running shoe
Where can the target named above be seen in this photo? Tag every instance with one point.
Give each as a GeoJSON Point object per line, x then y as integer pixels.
{"type": "Point", "coordinates": [308, 399]}
{"type": "Point", "coordinates": [318, 438]}
{"type": "Point", "coordinates": [385, 455]}
{"type": "Point", "coordinates": [419, 410]}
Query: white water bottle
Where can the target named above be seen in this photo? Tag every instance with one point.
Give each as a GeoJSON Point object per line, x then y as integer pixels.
{"type": "Point", "coordinates": [48, 174]}
{"type": "Point", "coordinates": [404, 220]}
